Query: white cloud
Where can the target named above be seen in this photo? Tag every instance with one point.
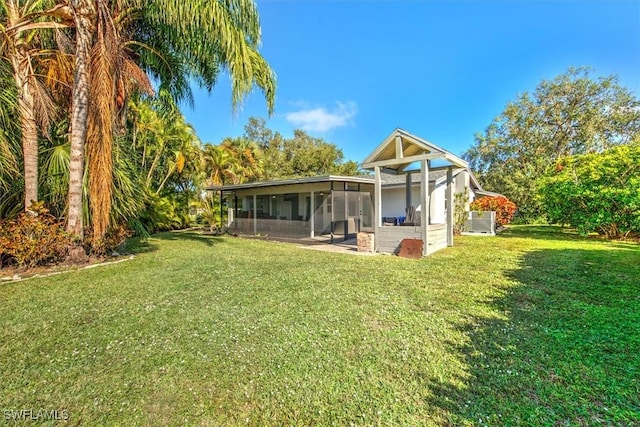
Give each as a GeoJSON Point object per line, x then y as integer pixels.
{"type": "Point", "coordinates": [321, 120]}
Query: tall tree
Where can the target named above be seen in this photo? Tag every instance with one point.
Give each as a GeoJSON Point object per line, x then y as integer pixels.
{"type": "Point", "coordinates": [22, 44]}
{"type": "Point", "coordinates": [256, 130]}
{"type": "Point", "coordinates": [220, 164]}
{"type": "Point", "coordinates": [199, 38]}
{"type": "Point", "coordinates": [84, 15]}
{"type": "Point", "coordinates": [571, 114]}
{"type": "Point", "coordinates": [301, 155]}
{"type": "Point", "coordinates": [249, 165]}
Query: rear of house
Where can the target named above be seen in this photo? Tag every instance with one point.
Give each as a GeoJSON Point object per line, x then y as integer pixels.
{"type": "Point", "coordinates": [388, 205]}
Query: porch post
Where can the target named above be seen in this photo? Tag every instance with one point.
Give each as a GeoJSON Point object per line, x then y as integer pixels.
{"type": "Point", "coordinates": [408, 202]}
{"type": "Point", "coordinates": [235, 208]}
{"type": "Point", "coordinates": [450, 206]}
{"type": "Point", "coordinates": [377, 211]}
{"type": "Point", "coordinates": [424, 205]}
{"type": "Point", "coordinates": [346, 213]}
{"type": "Point", "coordinates": [221, 210]}
{"type": "Point", "coordinates": [255, 214]}
{"type": "Point", "coordinates": [333, 208]}
{"type": "Point", "coordinates": [312, 220]}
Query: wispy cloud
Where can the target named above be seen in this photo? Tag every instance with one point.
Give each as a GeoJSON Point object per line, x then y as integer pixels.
{"type": "Point", "coordinates": [323, 120]}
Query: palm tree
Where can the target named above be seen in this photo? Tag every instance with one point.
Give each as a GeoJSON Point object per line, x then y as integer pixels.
{"type": "Point", "coordinates": [22, 44]}
{"type": "Point", "coordinates": [220, 164]}
{"type": "Point", "coordinates": [182, 152]}
{"type": "Point", "coordinates": [9, 145]}
{"type": "Point", "coordinates": [199, 38]}
{"type": "Point", "coordinates": [166, 141]}
{"type": "Point", "coordinates": [249, 156]}
{"type": "Point", "coordinates": [84, 16]}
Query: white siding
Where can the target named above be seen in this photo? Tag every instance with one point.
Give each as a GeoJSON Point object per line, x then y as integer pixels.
{"type": "Point", "coordinates": [438, 204]}
{"type": "Point", "coordinates": [394, 199]}
{"type": "Point", "coordinates": [463, 180]}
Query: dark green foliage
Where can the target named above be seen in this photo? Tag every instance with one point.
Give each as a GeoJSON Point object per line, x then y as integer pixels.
{"type": "Point", "coordinates": [300, 156]}
{"type": "Point", "coordinates": [162, 214]}
{"type": "Point", "coordinates": [596, 192]}
{"type": "Point", "coordinates": [33, 238]}
{"type": "Point", "coordinates": [571, 114]}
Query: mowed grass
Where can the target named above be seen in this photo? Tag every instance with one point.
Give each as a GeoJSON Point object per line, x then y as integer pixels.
{"type": "Point", "coordinates": [532, 327]}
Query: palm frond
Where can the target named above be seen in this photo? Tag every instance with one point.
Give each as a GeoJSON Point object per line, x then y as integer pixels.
{"type": "Point", "coordinates": [100, 131]}
{"type": "Point", "coordinates": [214, 35]}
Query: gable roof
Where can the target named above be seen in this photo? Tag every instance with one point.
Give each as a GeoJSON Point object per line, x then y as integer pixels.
{"type": "Point", "coordinates": [400, 149]}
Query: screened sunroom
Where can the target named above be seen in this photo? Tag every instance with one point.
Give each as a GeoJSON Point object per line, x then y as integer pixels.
{"type": "Point", "coordinates": [322, 207]}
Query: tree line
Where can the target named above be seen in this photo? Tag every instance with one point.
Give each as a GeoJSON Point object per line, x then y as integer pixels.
{"type": "Point", "coordinates": [76, 87]}
{"type": "Point", "coordinates": [567, 152]}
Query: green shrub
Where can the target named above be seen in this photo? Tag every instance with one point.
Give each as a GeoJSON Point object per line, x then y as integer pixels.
{"type": "Point", "coordinates": [597, 192]}
{"type": "Point", "coordinates": [460, 212]}
{"type": "Point", "coordinates": [162, 214]}
{"type": "Point", "coordinates": [33, 238]}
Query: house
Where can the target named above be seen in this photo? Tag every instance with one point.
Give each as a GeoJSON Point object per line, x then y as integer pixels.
{"type": "Point", "coordinates": [310, 207]}
{"type": "Point", "coordinates": [337, 207]}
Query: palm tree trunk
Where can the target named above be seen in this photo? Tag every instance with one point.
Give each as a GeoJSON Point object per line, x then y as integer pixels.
{"type": "Point", "coordinates": [29, 150]}
{"type": "Point", "coordinates": [29, 131]}
{"type": "Point", "coordinates": [166, 178]}
{"type": "Point", "coordinates": [21, 64]}
{"type": "Point", "coordinates": [83, 14]}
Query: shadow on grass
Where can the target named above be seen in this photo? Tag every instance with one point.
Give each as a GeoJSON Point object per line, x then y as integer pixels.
{"type": "Point", "coordinates": [563, 348]}
{"type": "Point", "coordinates": [138, 245]}
{"type": "Point", "coordinates": [544, 232]}
{"type": "Point", "coordinates": [193, 236]}
{"type": "Point", "coordinates": [557, 232]}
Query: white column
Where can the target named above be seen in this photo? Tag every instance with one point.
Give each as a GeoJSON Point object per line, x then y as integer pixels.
{"type": "Point", "coordinates": [377, 211]}
{"type": "Point", "coordinates": [450, 206]}
{"type": "Point", "coordinates": [407, 191]}
{"type": "Point", "coordinates": [255, 215]}
{"type": "Point", "coordinates": [312, 220]}
{"type": "Point", "coordinates": [424, 205]}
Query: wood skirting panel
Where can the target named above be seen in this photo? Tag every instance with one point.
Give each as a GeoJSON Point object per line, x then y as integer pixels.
{"type": "Point", "coordinates": [388, 238]}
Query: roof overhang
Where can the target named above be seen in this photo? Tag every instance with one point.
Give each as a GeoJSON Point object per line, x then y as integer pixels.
{"type": "Point", "coordinates": [292, 181]}
{"type": "Point", "coordinates": [488, 193]}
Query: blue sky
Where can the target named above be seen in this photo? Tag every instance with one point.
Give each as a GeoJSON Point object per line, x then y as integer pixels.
{"type": "Point", "coordinates": [352, 71]}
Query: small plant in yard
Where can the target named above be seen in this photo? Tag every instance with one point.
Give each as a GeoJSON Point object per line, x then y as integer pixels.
{"type": "Point", "coordinates": [211, 213]}
{"type": "Point", "coordinates": [503, 207]}
{"type": "Point", "coordinates": [34, 238]}
{"type": "Point", "coordinates": [460, 213]}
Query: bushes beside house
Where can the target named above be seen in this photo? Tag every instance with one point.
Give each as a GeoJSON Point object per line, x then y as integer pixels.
{"type": "Point", "coordinates": [460, 212]}
{"type": "Point", "coordinates": [503, 207]}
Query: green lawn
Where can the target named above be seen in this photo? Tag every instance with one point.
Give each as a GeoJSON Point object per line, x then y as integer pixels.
{"type": "Point", "coordinates": [533, 327]}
